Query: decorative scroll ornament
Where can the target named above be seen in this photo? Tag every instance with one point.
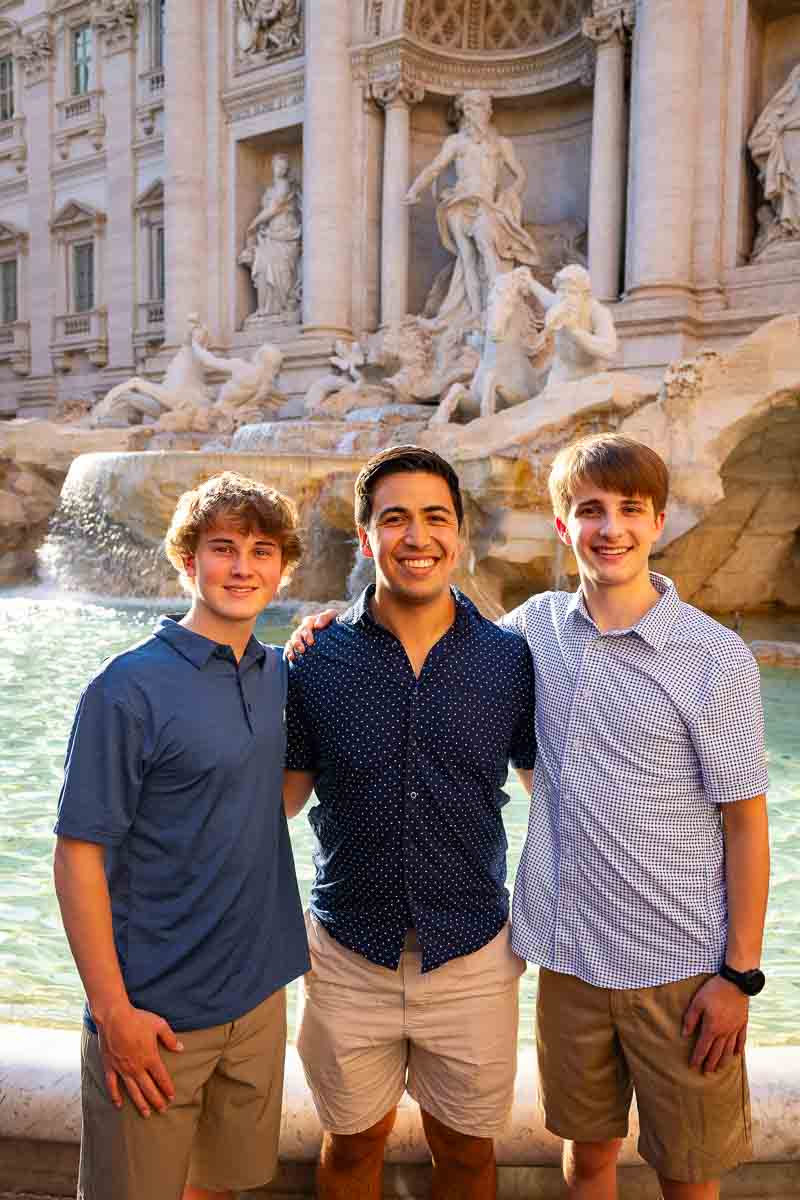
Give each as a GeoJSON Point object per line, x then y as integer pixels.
{"type": "Point", "coordinates": [393, 91]}
{"type": "Point", "coordinates": [267, 29]}
{"type": "Point", "coordinates": [35, 52]}
{"type": "Point", "coordinates": [609, 23]}
{"type": "Point", "coordinates": [116, 20]}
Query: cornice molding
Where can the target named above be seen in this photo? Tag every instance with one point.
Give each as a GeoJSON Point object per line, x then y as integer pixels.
{"type": "Point", "coordinates": [448, 74]}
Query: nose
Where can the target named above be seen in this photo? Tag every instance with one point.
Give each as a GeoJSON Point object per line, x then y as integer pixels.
{"type": "Point", "coordinates": [610, 525]}
{"type": "Point", "coordinates": [240, 565]}
{"type": "Point", "coordinates": [416, 532]}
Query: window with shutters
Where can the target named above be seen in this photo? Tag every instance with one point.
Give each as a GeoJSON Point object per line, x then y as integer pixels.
{"type": "Point", "coordinates": [81, 60]}
{"type": "Point", "coordinates": [6, 87]}
{"type": "Point", "coordinates": [83, 277]}
{"type": "Point", "coordinates": [8, 291]}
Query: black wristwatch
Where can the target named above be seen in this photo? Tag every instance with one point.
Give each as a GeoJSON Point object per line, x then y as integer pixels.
{"type": "Point", "coordinates": [749, 982]}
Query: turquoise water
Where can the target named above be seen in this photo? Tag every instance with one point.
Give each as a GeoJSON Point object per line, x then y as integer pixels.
{"type": "Point", "coordinates": [49, 647]}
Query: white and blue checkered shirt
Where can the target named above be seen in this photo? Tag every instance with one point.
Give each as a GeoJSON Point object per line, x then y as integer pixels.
{"type": "Point", "coordinates": [641, 734]}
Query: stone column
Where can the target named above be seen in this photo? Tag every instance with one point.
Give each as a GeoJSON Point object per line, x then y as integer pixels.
{"type": "Point", "coordinates": [664, 107]}
{"type": "Point", "coordinates": [185, 200]}
{"type": "Point", "coordinates": [119, 80]}
{"type": "Point", "coordinates": [609, 152]}
{"type": "Point", "coordinates": [328, 165]}
{"type": "Point", "coordinates": [34, 58]}
{"type": "Point", "coordinates": [396, 98]}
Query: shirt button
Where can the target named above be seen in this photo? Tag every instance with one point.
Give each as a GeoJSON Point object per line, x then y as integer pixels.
{"type": "Point", "coordinates": [413, 795]}
{"type": "Point", "coordinates": [577, 744]}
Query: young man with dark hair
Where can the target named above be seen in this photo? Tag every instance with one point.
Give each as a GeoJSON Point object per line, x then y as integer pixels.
{"type": "Point", "coordinates": [642, 887]}
{"type": "Point", "coordinates": [175, 876]}
{"type": "Point", "coordinates": [404, 717]}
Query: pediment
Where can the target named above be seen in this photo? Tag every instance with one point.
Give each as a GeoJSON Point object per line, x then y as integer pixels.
{"type": "Point", "coordinates": [12, 233]}
{"type": "Point", "coordinates": [76, 213]}
{"type": "Point", "coordinates": [152, 196]}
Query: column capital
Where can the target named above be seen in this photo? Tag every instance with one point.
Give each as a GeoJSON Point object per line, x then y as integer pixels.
{"type": "Point", "coordinates": [35, 52]}
{"type": "Point", "coordinates": [116, 20]}
{"type": "Point", "coordinates": [399, 91]}
{"type": "Point", "coordinates": [609, 24]}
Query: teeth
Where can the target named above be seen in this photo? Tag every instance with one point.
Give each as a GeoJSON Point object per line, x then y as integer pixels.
{"type": "Point", "coordinates": [419, 562]}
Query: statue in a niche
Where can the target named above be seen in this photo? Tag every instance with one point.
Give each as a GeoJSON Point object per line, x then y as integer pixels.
{"type": "Point", "coordinates": [479, 219]}
{"type": "Point", "coordinates": [273, 244]}
{"type": "Point", "coordinates": [775, 147]}
{"type": "Point", "coordinates": [267, 27]}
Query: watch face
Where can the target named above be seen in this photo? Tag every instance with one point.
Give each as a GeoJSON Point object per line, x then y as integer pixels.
{"type": "Point", "coordinates": [753, 982]}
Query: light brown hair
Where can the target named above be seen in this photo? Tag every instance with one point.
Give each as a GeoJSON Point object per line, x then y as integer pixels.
{"type": "Point", "coordinates": [248, 505]}
{"type": "Point", "coordinates": [398, 460]}
{"type": "Point", "coordinates": [611, 462]}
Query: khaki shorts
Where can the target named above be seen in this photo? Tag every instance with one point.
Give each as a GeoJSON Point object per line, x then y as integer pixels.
{"type": "Point", "coordinates": [449, 1036]}
{"type": "Point", "coordinates": [221, 1130]}
{"type": "Point", "coordinates": [598, 1045]}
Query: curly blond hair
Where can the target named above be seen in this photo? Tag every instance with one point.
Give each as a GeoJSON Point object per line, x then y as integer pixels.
{"type": "Point", "coordinates": [245, 503]}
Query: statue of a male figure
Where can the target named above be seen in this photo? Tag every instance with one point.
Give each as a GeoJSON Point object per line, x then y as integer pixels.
{"type": "Point", "coordinates": [479, 220]}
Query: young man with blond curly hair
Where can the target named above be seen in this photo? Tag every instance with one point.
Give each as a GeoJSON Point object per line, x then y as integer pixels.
{"type": "Point", "coordinates": [175, 875]}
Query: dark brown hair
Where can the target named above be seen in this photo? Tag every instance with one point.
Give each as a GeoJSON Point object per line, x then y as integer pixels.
{"type": "Point", "coordinates": [611, 462]}
{"type": "Point", "coordinates": [247, 504]}
{"type": "Point", "coordinates": [398, 460]}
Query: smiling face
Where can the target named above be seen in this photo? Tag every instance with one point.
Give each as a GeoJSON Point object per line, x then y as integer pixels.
{"type": "Point", "coordinates": [233, 576]}
{"type": "Point", "coordinates": [413, 537]}
{"type": "Point", "coordinates": [611, 536]}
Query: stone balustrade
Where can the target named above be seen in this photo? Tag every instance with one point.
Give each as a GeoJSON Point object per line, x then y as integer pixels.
{"type": "Point", "coordinates": [80, 116]}
{"type": "Point", "coordinates": [15, 346]}
{"type": "Point", "coordinates": [81, 332]}
{"type": "Point", "coordinates": [40, 1111]}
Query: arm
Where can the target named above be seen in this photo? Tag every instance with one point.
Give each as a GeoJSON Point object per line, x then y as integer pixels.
{"type": "Point", "coordinates": [526, 779]}
{"type": "Point", "coordinates": [514, 165]}
{"type": "Point", "coordinates": [128, 1036]}
{"type": "Point", "coordinates": [297, 787]}
{"type": "Point", "coordinates": [427, 176]}
{"type": "Point", "coordinates": [303, 636]}
{"type": "Point", "coordinates": [545, 297]}
{"type": "Point", "coordinates": [210, 360]}
{"type": "Point", "coordinates": [719, 1008]}
{"type": "Point", "coordinates": [602, 341]}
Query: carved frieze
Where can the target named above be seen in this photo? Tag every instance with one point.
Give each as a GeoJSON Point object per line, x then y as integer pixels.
{"type": "Point", "coordinates": [35, 52]}
{"type": "Point", "coordinates": [116, 20]}
{"type": "Point", "coordinates": [448, 74]}
{"type": "Point", "coordinates": [267, 30]}
{"type": "Point", "coordinates": [287, 92]}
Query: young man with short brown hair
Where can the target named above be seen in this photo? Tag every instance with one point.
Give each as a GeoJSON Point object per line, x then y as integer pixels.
{"type": "Point", "coordinates": [642, 887]}
{"type": "Point", "coordinates": [175, 876]}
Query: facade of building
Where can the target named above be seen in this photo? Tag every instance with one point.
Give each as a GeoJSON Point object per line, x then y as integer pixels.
{"type": "Point", "coordinates": [248, 161]}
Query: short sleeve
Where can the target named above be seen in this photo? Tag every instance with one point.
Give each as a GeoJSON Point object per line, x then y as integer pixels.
{"type": "Point", "coordinates": [728, 736]}
{"type": "Point", "coordinates": [523, 746]}
{"type": "Point", "coordinates": [300, 751]}
{"type": "Point", "coordinates": [515, 620]}
{"type": "Point", "coordinates": [103, 771]}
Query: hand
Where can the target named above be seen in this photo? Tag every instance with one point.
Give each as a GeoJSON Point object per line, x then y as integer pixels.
{"type": "Point", "coordinates": [303, 636]}
{"type": "Point", "coordinates": [129, 1040]}
{"type": "Point", "coordinates": [721, 1011]}
{"type": "Point", "coordinates": [411, 197]}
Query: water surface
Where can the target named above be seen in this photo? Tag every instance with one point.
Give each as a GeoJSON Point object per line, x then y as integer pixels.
{"type": "Point", "coordinates": [50, 646]}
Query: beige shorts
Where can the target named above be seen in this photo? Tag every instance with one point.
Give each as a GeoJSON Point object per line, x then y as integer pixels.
{"type": "Point", "coordinates": [221, 1130]}
{"type": "Point", "coordinates": [449, 1036]}
{"type": "Point", "coordinates": [598, 1045]}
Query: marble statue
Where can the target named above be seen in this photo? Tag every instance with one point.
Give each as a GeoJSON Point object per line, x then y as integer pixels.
{"type": "Point", "coordinates": [249, 394]}
{"type": "Point", "coordinates": [267, 27]}
{"type": "Point", "coordinates": [273, 249]}
{"type": "Point", "coordinates": [479, 219]}
{"type": "Point", "coordinates": [182, 389]}
{"type": "Point", "coordinates": [584, 337]}
{"type": "Point", "coordinates": [775, 147]}
{"type": "Point", "coordinates": [506, 374]}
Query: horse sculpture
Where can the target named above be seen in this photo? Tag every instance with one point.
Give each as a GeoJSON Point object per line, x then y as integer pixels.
{"type": "Point", "coordinates": [514, 360]}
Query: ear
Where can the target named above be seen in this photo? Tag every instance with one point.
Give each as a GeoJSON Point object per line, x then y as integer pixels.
{"type": "Point", "coordinates": [659, 523]}
{"type": "Point", "coordinates": [563, 532]}
{"type": "Point", "coordinates": [188, 567]}
{"type": "Point", "coordinates": [363, 541]}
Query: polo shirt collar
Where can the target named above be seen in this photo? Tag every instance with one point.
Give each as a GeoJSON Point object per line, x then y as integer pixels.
{"type": "Point", "coordinates": [360, 611]}
{"type": "Point", "coordinates": [198, 650]}
{"type": "Point", "coordinates": [656, 624]}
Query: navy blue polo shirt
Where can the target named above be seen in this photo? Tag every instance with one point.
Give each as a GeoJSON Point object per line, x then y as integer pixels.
{"type": "Point", "coordinates": [409, 777]}
{"type": "Point", "coordinates": [175, 765]}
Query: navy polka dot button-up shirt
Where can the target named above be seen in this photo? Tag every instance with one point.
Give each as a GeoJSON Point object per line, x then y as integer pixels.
{"type": "Point", "coordinates": [409, 775]}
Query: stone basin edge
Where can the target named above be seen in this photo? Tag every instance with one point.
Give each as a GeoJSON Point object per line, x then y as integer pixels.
{"type": "Point", "coordinates": [40, 1102]}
